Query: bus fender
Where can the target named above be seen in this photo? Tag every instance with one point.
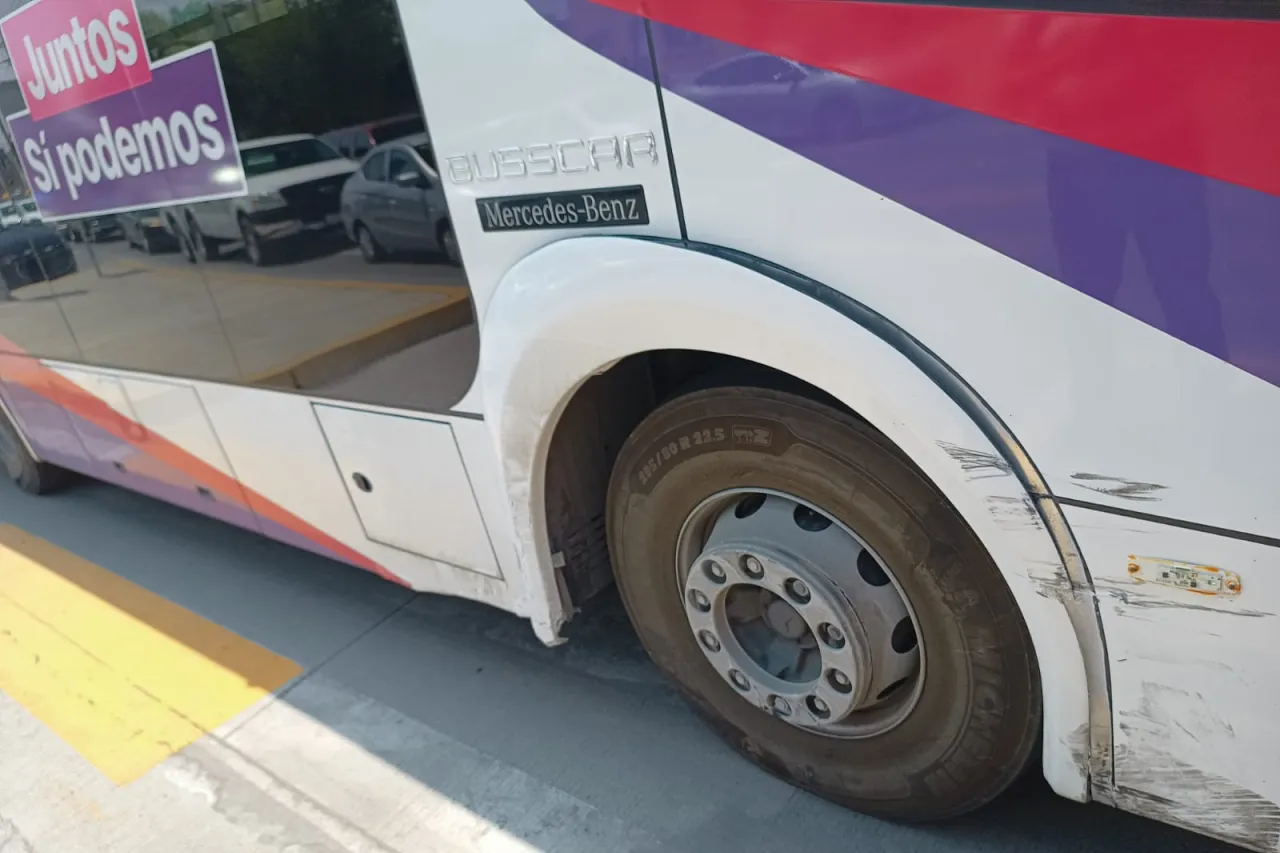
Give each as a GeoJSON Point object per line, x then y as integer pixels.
{"type": "Point", "coordinates": [575, 307]}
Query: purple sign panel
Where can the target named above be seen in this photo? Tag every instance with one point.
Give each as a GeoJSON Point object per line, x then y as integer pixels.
{"type": "Point", "coordinates": [168, 141]}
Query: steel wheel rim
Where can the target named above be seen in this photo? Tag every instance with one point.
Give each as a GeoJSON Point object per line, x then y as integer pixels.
{"type": "Point", "coordinates": [848, 680]}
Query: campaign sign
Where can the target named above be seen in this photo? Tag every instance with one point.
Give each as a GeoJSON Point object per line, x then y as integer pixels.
{"type": "Point", "coordinates": [162, 143]}
{"type": "Point", "coordinates": [68, 53]}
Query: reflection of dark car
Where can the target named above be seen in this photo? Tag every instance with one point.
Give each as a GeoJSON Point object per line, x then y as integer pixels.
{"type": "Point", "coordinates": [395, 202]}
{"type": "Point", "coordinates": [145, 230]}
{"type": "Point", "coordinates": [294, 185]}
{"type": "Point", "coordinates": [93, 229]}
{"type": "Point", "coordinates": [33, 252]}
{"type": "Point", "coordinates": [844, 107]}
{"type": "Point", "coordinates": [355, 142]}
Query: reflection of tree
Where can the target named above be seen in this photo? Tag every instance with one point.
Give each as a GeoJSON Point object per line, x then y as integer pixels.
{"type": "Point", "coordinates": [322, 66]}
{"type": "Point", "coordinates": [153, 23]}
{"type": "Point", "coordinates": [13, 181]}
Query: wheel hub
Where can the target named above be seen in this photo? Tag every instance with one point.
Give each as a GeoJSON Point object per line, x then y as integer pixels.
{"type": "Point", "coordinates": [798, 615]}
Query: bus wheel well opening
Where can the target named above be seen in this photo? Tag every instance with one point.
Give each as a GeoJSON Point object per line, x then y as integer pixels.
{"type": "Point", "coordinates": [591, 431]}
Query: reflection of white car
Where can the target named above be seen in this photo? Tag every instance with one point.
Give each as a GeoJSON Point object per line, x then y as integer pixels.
{"type": "Point", "coordinates": [295, 188]}
{"type": "Point", "coordinates": [16, 213]}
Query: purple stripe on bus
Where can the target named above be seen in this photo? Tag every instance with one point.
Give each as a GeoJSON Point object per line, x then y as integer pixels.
{"type": "Point", "coordinates": [181, 490]}
{"type": "Point", "coordinates": [1195, 257]}
{"type": "Point", "coordinates": [48, 428]}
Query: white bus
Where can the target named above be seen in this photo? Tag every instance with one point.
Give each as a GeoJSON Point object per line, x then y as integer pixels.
{"type": "Point", "coordinates": [911, 369]}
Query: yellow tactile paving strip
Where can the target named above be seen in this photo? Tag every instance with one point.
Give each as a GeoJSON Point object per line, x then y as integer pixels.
{"type": "Point", "coordinates": [124, 676]}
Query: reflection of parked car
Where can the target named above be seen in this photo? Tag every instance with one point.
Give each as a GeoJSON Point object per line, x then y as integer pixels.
{"type": "Point", "coordinates": [396, 202]}
{"type": "Point", "coordinates": [17, 212]}
{"type": "Point", "coordinates": [93, 229]}
{"type": "Point", "coordinates": [32, 252]}
{"type": "Point", "coordinates": [294, 187]}
{"type": "Point", "coordinates": [145, 230]}
{"type": "Point", "coordinates": [355, 142]}
{"type": "Point", "coordinates": [844, 107]}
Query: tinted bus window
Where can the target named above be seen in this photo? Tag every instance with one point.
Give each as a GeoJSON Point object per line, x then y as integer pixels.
{"type": "Point", "coordinates": [279, 262]}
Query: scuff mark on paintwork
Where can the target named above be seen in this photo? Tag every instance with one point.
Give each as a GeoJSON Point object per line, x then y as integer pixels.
{"type": "Point", "coordinates": [1077, 743]}
{"type": "Point", "coordinates": [1127, 595]}
{"type": "Point", "coordinates": [1014, 513]}
{"type": "Point", "coordinates": [980, 464]}
{"type": "Point", "coordinates": [1054, 587]}
{"type": "Point", "coordinates": [1152, 782]}
{"type": "Point", "coordinates": [1094, 755]}
{"type": "Point", "coordinates": [1118, 487]}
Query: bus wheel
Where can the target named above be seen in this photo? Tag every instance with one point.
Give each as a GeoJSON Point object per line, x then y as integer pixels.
{"type": "Point", "coordinates": [30, 475]}
{"type": "Point", "coordinates": [822, 605]}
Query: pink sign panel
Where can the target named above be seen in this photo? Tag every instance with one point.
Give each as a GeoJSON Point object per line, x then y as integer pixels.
{"type": "Point", "coordinates": [68, 53]}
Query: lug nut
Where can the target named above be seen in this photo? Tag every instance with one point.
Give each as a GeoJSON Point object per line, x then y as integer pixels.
{"type": "Point", "coordinates": [699, 601]}
{"type": "Point", "coordinates": [818, 708]}
{"type": "Point", "coordinates": [709, 641]}
{"type": "Point", "coordinates": [752, 567]}
{"type": "Point", "coordinates": [831, 635]}
{"type": "Point", "coordinates": [798, 590]}
{"type": "Point", "coordinates": [839, 681]}
{"type": "Point", "coordinates": [713, 571]}
{"type": "Point", "coordinates": [780, 706]}
{"type": "Point", "coordinates": [739, 680]}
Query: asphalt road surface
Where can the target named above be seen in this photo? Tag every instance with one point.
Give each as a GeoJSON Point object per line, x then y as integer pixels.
{"type": "Point", "coordinates": [421, 723]}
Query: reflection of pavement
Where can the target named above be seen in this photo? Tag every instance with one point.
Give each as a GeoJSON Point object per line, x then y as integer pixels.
{"type": "Point", "coordinates": [301, 326]}
{"type": "Point", "coordinates": [345, 265]}
{"type": "Point", "coordinates": [434, 374]}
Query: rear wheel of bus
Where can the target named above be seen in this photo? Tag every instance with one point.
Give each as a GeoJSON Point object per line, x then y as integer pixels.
{"type": "Point", "coordinates": [26, 472]}
{"type": "Point", "coordinates": [821, 604]}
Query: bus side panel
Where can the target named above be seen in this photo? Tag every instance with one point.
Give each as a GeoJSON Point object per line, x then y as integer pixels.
{"type": "Point", "coordinates": [32, 401]}
{"type": "Point", "coordinates": [1118, 313]}
{"type": "Point", "coordinates": [552, 111]}
{"type": "Point", "coordinates": [293, 478]}
{"type": "Point", "coordinates": [982, 238]}
{"type": "Point", "coordinates": [1195, 677]}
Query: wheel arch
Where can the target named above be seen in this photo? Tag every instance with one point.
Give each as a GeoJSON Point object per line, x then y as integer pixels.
{"type": "Point", "coordinates": [583, 314]}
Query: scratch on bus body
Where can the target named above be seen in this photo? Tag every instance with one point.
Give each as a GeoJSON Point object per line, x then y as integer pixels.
{"type": "Point", "coordinates": [1118, 487]}
{"type": "Point", "coordinates": [1150, 781]}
